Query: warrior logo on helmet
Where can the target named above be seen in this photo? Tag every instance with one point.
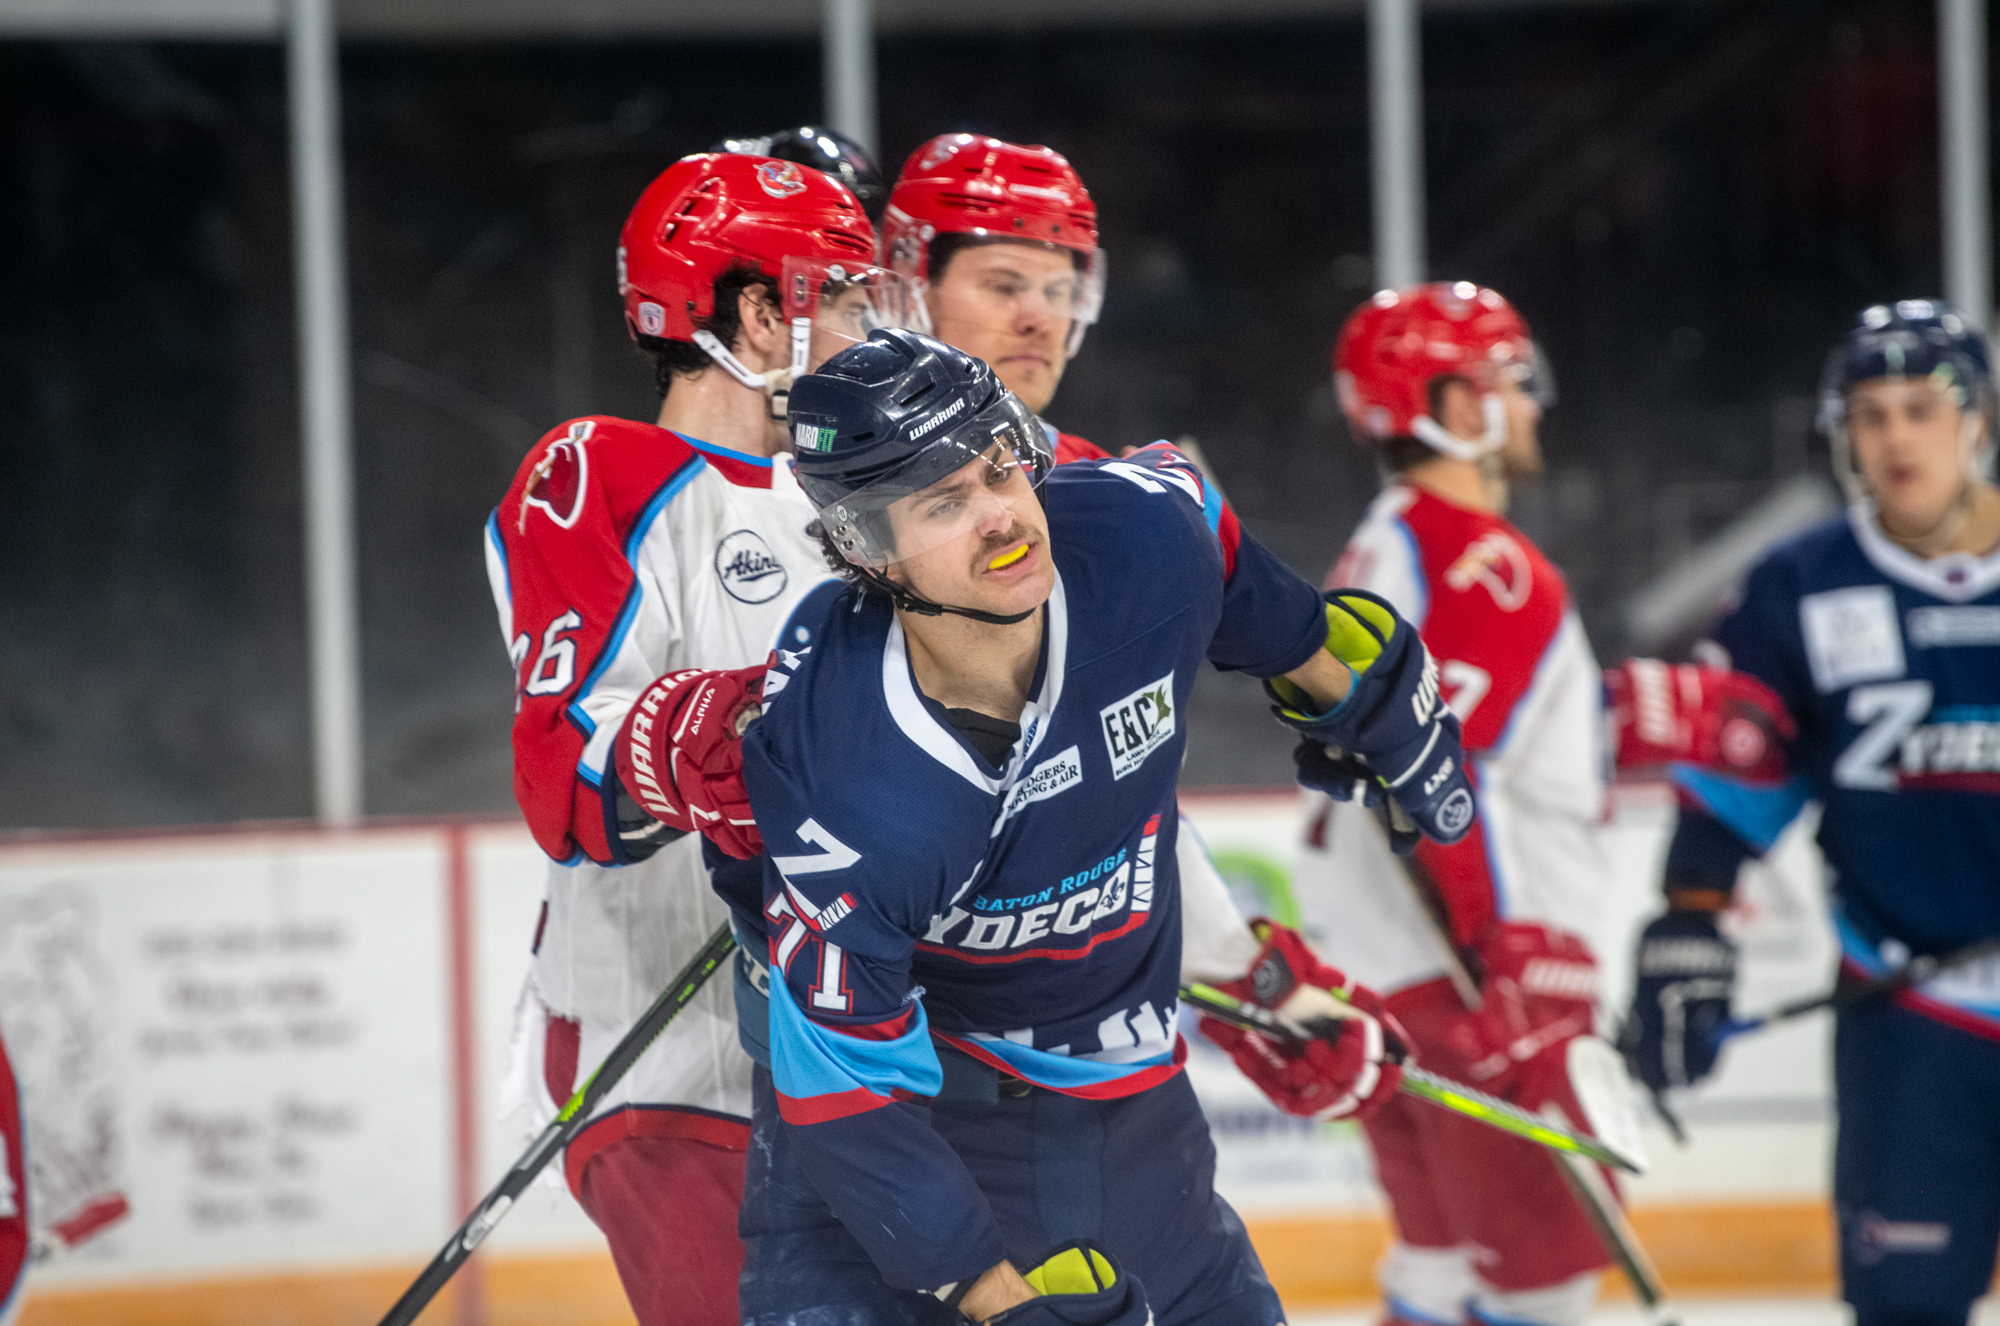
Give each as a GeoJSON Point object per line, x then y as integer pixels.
{"type": "Point", "coordinates": [781, 179]}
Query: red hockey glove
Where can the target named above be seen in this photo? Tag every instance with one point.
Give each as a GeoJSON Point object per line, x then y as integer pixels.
{"type": "Point", "coordinates": [1350, 1069]}
{"type": "Point", "coordinates": [1538, 993]}
{"type": "Point", "coordinates": [1728, 721]}
{"type": "Point", "coordinates": [680, 754]}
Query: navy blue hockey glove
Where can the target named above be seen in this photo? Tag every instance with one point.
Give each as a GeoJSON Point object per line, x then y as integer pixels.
{"type": "Point", "coordinates": [1080, 1285]}
{"type": "Point", "coordinates": [1680, 1006]}
{"type": "Point", "coordinates": [1394, 720]}
{"type": "Point", "coordinates": [1350, 779]}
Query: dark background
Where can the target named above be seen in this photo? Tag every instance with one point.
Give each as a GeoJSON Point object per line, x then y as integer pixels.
{"type": "Point", "coordinates": [1688, 201]}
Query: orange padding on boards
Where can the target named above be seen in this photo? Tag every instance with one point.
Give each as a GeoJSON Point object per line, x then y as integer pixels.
{"type": "Point", "coordinates": [572, 1289]}
{"type": "Point", "coordinates": [1711, 1248]}
{"type": "Point", "coordinates": [1314, 1261]}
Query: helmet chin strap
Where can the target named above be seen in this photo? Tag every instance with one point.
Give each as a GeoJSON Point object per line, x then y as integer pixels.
{"type": "Point", "coordinates": [775, 384]}
{"type": "Point", "coordinates": [1439, 438]}
{"type": "Point", "coordinates": [906, 601]}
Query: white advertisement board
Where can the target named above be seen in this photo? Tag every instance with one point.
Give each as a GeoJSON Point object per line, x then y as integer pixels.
{"type": "Point", "coordinates": [286, 1049]}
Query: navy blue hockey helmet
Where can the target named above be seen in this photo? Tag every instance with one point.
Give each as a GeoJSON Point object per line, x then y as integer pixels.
{"type": "Point", "coordinates": [826, 150]}
{"type": "Point", "coordinates": [1912, 338]}
{"type": "Point", "coordinates": [889, 418]}
{"type": "Point", "coordinates": [1925, 339]}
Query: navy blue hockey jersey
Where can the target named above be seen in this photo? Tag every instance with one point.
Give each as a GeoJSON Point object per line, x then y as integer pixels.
{"type": "Point", "coordinates": [1027, 915]}
{"type": "Point", "coordinates": [1891, 666]}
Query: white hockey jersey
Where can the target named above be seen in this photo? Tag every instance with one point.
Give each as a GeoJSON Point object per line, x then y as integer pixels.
{"type": "Point", "coordinates": [623, 551]}
{"type": "Point", "coordinates": [1519, 674]}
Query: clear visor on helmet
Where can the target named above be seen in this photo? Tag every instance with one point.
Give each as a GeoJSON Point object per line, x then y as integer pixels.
{"type": "Point", "coordinates": [840, 303]}
{"type": "Point", "coordinates": [1012, 288]}
{"type": "Point", "coordinates": [975, 478]}
{"type": "Point", "coordinates": [1524, 365]}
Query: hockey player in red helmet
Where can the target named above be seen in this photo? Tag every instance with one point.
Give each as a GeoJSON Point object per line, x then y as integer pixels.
{"type": "Point", "coordinates": [622, 551]}
{"type": "Point", "coordinates": [1478, 946]}
{"type": "Point", "coordinates": [999, 241]}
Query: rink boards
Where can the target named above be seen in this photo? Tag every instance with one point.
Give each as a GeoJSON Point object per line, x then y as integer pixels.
{"type": "Point", "coordinates": [284, 1047]}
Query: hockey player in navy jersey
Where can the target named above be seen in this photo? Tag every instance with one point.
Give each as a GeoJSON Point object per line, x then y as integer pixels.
{"type": "Point", "coordinates": [969, 907]}
{"type": "Point", "coordinates": [998, 242]}
{"type": "Point", "coordinates": [1879, 633]}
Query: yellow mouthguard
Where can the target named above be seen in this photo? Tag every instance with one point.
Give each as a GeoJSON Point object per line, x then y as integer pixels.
{"type": "Point", "coordinates": [1005, 560]}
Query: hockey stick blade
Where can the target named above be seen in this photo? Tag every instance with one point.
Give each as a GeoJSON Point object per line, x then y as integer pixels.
{"type": "Point", "coordinates": [562, 1129]}
{"type": "Point", "coordinates": [1420, 1083]}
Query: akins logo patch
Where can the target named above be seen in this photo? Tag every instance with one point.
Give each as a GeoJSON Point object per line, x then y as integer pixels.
{"type": "Point", "coordinates": [1139, 724]}
{"type": "Point", "coordinates": [748, 568]}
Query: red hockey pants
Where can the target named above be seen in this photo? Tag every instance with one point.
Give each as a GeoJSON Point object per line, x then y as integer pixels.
{"type": "Point", "coordinates": [665, 1185]}
{"type": "Point", "coordinates": [1455, 1183]}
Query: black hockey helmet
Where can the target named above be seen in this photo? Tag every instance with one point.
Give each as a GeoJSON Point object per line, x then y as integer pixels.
{"type": "Point", "coordinates": [826, 150]}
{"type": "Point", "coordinates": [889, 418]}
{"type": "Point", "coordinates": [1926, 339]}
{"type": "Point", "coordinates": [1911, 338]}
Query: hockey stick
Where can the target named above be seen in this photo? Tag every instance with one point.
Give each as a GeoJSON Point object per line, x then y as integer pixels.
{"type": "Point", "coordinates": [1417, 1082]}
{"type": "Point", "coordinates": [79, 1226]}
{"type": "Point", "coordinates": [1598, 1202]}
{"type": "Point", "coordinates": [1914, 972]}
{"type": "Point", "coordinates": [563, 1128]}
{"type": "Point", "coordinates": [1614, 1231]}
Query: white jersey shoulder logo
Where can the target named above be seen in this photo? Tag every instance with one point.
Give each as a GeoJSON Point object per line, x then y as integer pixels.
{"type": "Point", "coordinates": [561, 478]}
{"type": "Point", "coordinates": [1496, 562]}
{"type": "Point", "coordinates": [1139, 724]}
{"type": "Point", "coordinates": [748, 568]}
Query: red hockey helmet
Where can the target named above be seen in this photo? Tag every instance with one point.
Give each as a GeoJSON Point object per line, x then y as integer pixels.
{"type": "Point", "coordinates": [711, 212]}
{"type": "Point", "coordinates": [968, 184]}
{"type": "Point", "coordinates": [1395, 345]}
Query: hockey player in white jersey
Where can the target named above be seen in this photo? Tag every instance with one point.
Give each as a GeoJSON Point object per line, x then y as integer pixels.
{"type": "Point", "coordinates": [1477, 946]}
{"type": "Point", "coordinates": [623, 550]}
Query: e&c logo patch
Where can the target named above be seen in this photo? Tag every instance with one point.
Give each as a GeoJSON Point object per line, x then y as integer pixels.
{"type": "Point", "coordinates": [1138, 725]}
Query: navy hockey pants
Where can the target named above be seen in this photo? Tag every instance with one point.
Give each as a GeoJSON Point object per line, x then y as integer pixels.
{"type": "Point", "coordinates": [1916, 1177]}
{"type": "Point", "coordinates": [1135, 1174]}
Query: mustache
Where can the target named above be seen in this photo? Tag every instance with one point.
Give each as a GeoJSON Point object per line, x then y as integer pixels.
{"type": "Point", "coordinates": [993, 543]}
